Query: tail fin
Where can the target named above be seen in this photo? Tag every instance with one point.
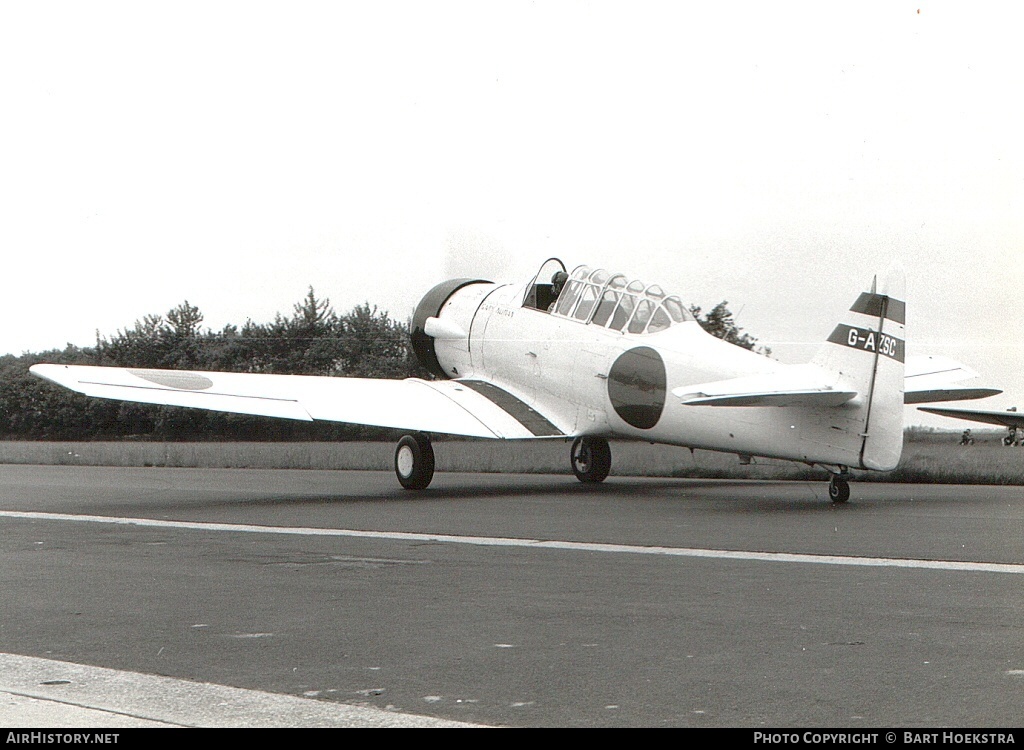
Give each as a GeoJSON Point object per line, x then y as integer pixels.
{"type": "Point", "coordinates": [867, 351]}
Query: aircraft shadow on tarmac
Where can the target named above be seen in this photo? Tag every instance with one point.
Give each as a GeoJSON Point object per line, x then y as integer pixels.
{"type": "Point", "coordinates": [720, 495]}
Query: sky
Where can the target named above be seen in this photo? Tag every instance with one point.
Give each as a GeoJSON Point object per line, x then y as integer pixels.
{"type": "Point", "coordinates": [776, 156]}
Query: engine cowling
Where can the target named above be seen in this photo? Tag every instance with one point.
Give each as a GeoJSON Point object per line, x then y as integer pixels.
{"type": "Point", "coordinates": [431, 325]}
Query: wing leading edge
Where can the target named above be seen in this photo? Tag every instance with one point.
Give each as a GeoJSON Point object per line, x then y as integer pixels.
{"type": "Point", "coordinates": [467, 408]}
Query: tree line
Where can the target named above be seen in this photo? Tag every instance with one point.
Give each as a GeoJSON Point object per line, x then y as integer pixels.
{"type": "Point", "coordinates": [313, 340]}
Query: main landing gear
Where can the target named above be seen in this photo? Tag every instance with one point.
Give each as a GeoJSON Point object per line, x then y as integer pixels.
{"type": "Point", "coordinates": [414, 461]}
{"type": "Point", "coordinates": [839, 486]}
{"type": "Point", "coordinates": [591, 459]}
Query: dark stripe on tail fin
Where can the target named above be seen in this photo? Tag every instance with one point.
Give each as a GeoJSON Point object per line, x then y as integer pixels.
{"type": "Point", "coordinates": [869, 303]}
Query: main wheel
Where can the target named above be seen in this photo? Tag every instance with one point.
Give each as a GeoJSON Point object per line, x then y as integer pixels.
{"type": "Point", "coordinates": [591, 459]}
{"type": "Point", "coordinates": [414, 461]}
{"type": "Point", "coordinates": [838, 490]}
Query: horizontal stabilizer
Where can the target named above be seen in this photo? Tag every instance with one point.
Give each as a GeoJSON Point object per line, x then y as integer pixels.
{"type": "Point", "coordinates": [931, 378]}
{"type": "Point", "coordinates": [948, 394]}
{"type": "Point", "coordinates": [775, 398]}
{"type": "Point", "coordinates": [796, 385]}
{"type": "Point", "coordinates": [1004, 418]}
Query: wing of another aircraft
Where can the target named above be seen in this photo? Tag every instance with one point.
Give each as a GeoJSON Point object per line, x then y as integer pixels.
{"type": "Point", "coordinates": [471, 408]}
{"type": "Point", "coordinates": [1004, 418]}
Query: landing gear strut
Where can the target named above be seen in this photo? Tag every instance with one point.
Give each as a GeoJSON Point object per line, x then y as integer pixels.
{"type": "Point", "coordinates": [839, 486]}
{"type": "Point", "coordinates": [414, 461]}
{"type": "Point", "coordinates": [591, 459]}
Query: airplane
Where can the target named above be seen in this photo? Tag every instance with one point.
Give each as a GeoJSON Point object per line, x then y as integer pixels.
{"type": "Point", "coordinates": [589, 356]}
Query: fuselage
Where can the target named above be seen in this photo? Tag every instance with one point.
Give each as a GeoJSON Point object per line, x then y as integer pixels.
{"type": "Point", "coordinates": [592, 379]}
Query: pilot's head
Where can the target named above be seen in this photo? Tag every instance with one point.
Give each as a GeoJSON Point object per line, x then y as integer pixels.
{"type": "Point", "coordinates": [558, 281]}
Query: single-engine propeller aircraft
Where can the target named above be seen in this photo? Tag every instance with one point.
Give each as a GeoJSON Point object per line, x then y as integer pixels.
{"type": "Point", "coordinates": [588, 356]}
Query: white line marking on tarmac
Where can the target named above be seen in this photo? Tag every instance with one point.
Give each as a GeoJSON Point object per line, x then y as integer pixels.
{"type": "Point", "coordinates": [484, 541]}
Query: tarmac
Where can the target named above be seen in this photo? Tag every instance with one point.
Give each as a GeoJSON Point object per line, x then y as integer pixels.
{"type": "Point", "coordinates": [48, 694]}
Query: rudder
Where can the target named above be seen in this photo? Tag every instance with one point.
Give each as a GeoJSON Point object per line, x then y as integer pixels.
{"type": "Point", "coordinates": [868, 350]}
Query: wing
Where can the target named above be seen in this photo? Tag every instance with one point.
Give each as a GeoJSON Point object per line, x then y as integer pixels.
{"type": "Point", "coordinates": [1005, 418]}
{"type": "Point", "coordinates": [933, 377]}
{"type": "Point", "coordinates": [455, 407]}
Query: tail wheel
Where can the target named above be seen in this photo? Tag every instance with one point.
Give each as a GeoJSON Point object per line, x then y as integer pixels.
{"type": "Point", "coordinates": [838, 489]}
{"type": "Point", "coordinates": [414, 461]}
{"type": "Point", "coordinates": [591, 459]}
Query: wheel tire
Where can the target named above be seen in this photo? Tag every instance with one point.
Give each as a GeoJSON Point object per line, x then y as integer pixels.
{"type": "Point", "coordinates": [591, 459]}
{"type": "Point", "coordinates": [414, 462]}
{"type": "Point", "coordinates": [839, 490]}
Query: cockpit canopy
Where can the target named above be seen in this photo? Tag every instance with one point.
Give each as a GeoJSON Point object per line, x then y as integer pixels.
{"type": "Point", "coordinates": [610, 300]}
